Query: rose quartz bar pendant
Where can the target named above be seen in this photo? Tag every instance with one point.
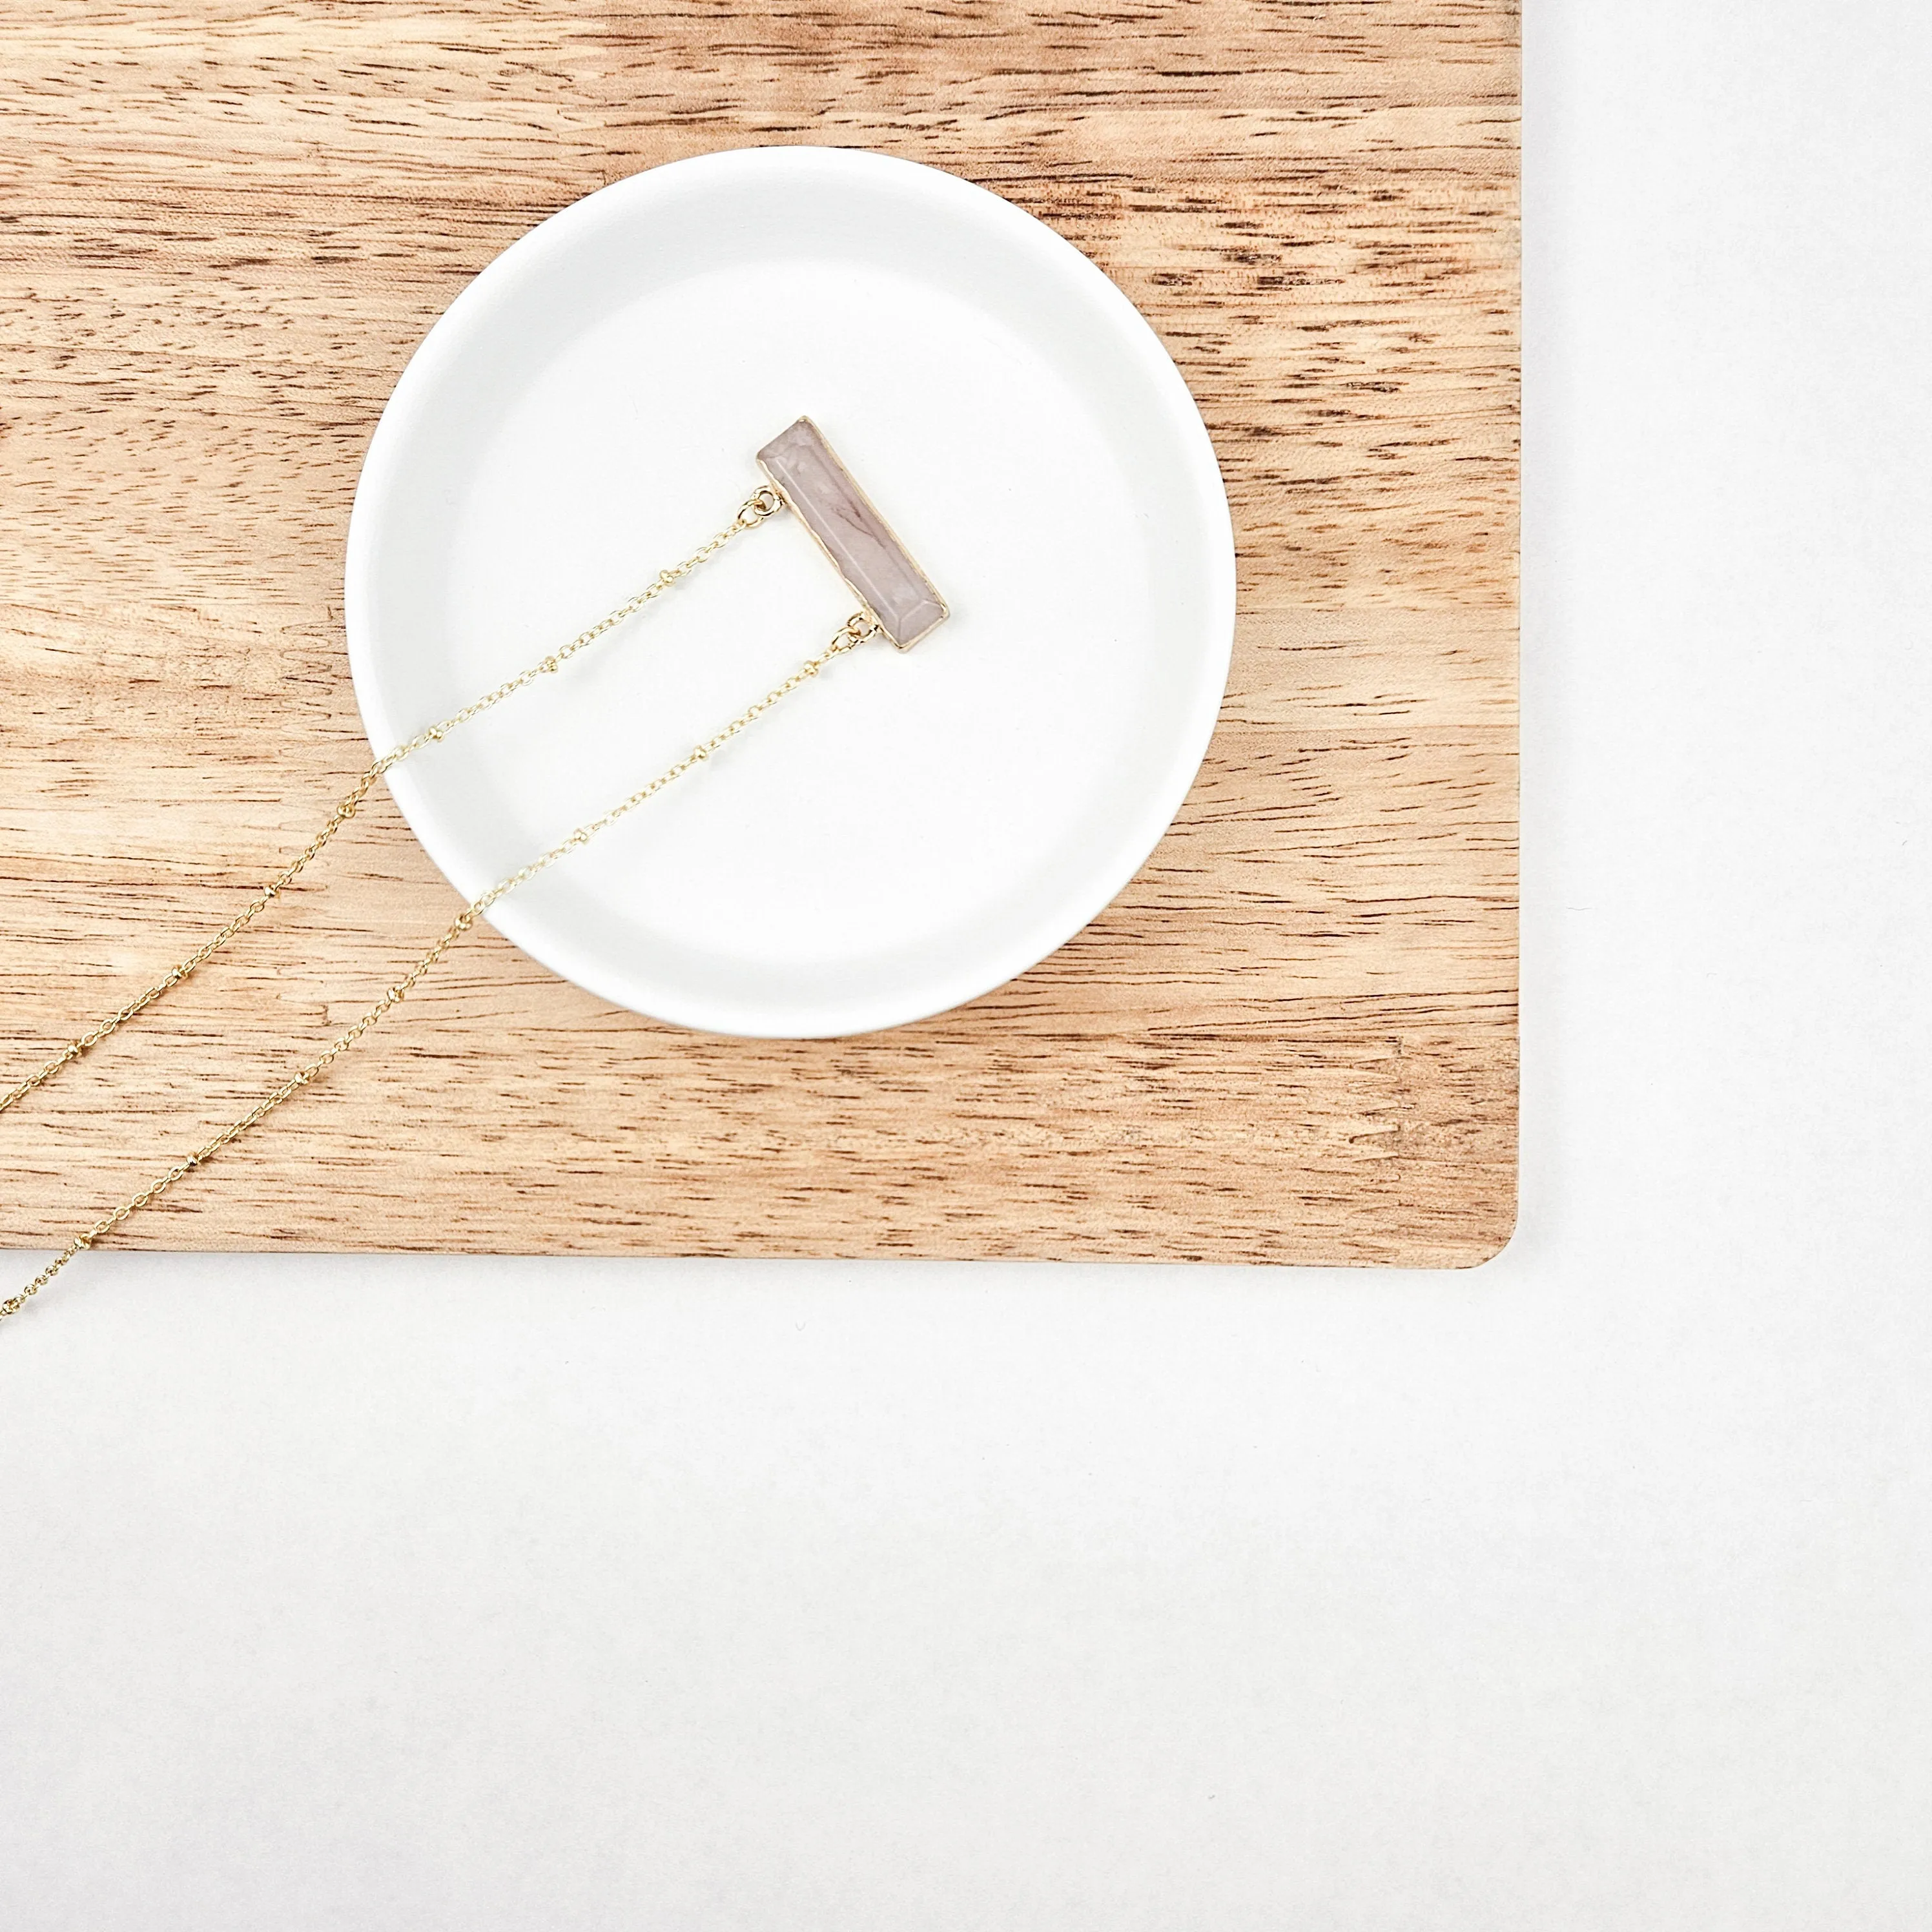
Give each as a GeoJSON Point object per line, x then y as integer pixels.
{"type": "Point", "coordinates": [808, 475]}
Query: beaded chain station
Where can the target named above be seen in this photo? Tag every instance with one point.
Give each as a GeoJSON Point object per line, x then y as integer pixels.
{"type": "Point", "coordinates": [762, 505]}
{"type": "Point", "coordinates": [755, 509]}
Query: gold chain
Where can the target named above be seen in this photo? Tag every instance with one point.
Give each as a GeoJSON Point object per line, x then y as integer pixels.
{"type": "Point", "coordinates": [761, 504]}
{"type": "Point", "coordinates": [853, 633]}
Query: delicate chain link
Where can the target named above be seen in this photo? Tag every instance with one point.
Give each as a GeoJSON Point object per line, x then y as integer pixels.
{"type": "Point", "coordinates": [761, 504]}
{"type": "Point", "coordinates": [853, 633]}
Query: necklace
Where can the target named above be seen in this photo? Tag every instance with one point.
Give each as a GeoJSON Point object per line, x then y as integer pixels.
{"type": "Point", "coordinates": [897, 602]}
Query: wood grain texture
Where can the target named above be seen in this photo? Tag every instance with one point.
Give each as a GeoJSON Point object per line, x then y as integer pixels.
{"type": "Point", "coordinates": [1293, 1038]}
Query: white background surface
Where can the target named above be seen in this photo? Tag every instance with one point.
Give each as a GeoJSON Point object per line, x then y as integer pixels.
{"type": "Point", "coordinates": [1591, 1590]}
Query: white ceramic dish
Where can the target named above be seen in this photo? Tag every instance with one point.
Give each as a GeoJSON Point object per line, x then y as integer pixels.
{"type": "Point", "coordinates": [913, 828]}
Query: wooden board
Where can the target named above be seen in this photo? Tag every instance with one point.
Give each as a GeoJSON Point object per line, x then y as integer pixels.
{"type": "Point", "coordinates": [1292, 1038]}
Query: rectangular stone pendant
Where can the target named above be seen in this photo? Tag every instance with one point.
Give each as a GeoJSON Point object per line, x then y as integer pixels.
{"type": "Point", "coordinates": [807, 473]}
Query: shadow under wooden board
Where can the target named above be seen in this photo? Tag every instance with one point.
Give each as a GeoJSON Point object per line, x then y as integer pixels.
{"type": "Point", "coordinates": [1292, 1038]}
